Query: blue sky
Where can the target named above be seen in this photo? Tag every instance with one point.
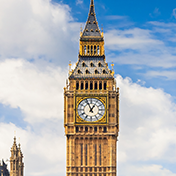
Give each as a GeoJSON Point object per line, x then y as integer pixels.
{"type": "Point", "coordinates": [124, 15]}
{"type": "Point", "coordinates": [38, 38]}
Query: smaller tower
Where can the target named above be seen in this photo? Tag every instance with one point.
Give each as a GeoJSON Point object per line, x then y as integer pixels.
{"type": "Point", "coordinates": [16, 160]}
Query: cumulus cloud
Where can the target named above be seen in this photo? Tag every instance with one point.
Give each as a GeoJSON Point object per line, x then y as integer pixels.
{"type": "Point", "coordinates": [44, 153]}
{"type": "Point", "coordinates": [147, 129]}
{"type": "Point", "coordinates": [141, 46]}
{"type": "Point", "coordinates": [168, 75]}
{"type": "Point", "coordinates": [42, 33]}
{"type": "Point", "coordinates": [35, 29]}
{"type": "Point", "coordinates": [25, 86]}
{"type": "Point", "coordinates": [150, 119]}
{"type": "Point", "coordinates": [146, 170]}
{"type": "Point", "coordinates": [79, 2]}
{"type": "Point", "coordinates": [174, 13]}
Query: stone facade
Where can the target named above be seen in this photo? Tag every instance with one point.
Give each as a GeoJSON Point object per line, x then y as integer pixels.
{"type": "Point", "coordinates": [91, 144]}
{"type": "Point", "coordinates": [16, 160]}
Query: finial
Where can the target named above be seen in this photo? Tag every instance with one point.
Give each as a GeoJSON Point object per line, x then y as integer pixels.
{"type": "Point", "coordinates": [101, 27]}
{"type": "Point", "coordinates": [14, 139]}
{"type": "Point", "coordinates": [81, 28]}
{"type": "Point", "coordinates": [19, 146]}
{"type": "Point", "coordinates": [92, 2]}
{"type": "Point", "coordinates": [70, 65]}
{"type": "Point", "coordinates": [112, 65]}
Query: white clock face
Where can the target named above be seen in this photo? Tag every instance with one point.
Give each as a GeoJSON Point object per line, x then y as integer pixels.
{"type": "Point", "coordinates": [91, 109]}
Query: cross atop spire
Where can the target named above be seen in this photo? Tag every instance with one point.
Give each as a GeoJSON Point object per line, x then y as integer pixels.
{"type": "Point", "coordinates": [91, 29]}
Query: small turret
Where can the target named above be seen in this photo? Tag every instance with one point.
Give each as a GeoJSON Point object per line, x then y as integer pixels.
{"type": "Point", "coordinates": [16, 160]}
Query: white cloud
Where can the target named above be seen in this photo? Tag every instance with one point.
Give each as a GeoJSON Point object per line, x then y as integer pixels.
{"type": "Point", "coordinates": [37, 29]}
{"type": "Point", "coordinates": [116, 17]}
{"type": "Point", "coordinates": [147, 124]}
{"type": "Point", "coordinates": [135, 39]}
{"type": "Point", "coordinates": [155, 13]}
{"type": "Point", "coordinates": [146, 170]}
{"type": "Point", "coordinates": [137, 46]}
{"type": "Point", "coordinates": [169, 75]}
{"type": "Point", "coordinates": [79, 2]}
{"type": "Point", "coordinates": [36, 92]}
{"type": "Point", "coordinates": [174, 13]}
{"type": "Point", "coordinates": [44, 153]}
{"type": "Point", "coordinates": [34, 29]}
{"type": "Point", "coordinates": [147, 121]}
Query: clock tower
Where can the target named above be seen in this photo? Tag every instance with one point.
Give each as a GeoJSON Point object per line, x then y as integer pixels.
{"type": "Point", "coordinates": [91, 108]}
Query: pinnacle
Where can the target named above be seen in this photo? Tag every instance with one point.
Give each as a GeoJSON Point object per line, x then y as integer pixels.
{"type": "Point", "coordinates": [91, 29]}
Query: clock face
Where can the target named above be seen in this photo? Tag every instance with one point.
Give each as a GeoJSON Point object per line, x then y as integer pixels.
{"type": "Point", "coordinates": [91, 109]}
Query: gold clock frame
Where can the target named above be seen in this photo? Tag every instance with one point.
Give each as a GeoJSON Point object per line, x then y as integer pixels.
{"type": "Point", "coordinates": [102, 98]}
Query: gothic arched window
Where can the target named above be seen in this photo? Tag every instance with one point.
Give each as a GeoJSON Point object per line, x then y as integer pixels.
{"type": "Point", "coordinates": [100, 86]}
{"type": "Point", "coordinates": [84, 49]}
{"type": "Point", "coordinates": [96, 71]}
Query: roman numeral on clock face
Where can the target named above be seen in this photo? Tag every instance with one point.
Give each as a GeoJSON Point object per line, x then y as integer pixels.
{"type": "Point", "coordinates": [91, 109]}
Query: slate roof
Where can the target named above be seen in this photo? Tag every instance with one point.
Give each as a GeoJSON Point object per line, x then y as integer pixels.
{"type": "Point", "coordinates": [91, 29]}
{"type": "Point", "coordinates": [87, 66]}
{"type": "Point", "coordinates": [3, 169]}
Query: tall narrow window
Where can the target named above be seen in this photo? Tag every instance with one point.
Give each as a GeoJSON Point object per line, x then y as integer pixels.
{"type": "Point", "coordinates": [95, 154]}
{"type": "Point", "coordinates": [91, 50]}
{"type": "Point", "coordinates": [86, 129]}
{"type": "Point", "coordinates": [85, 50]}
{"type": "Point", "coordinates": [100, 153]}
{"type": "Point", "coordinates": [77, 129]}
{"type": "Point", "coordinates": [82, 86]}
{"type": "Point", "coordinates": [95, 86]}
{"type": "Point", "coordinates": [91, 86]}
{"type": "Point", "coordinates": [105, 86]}
{"type": "Point", "coordinates": [86, 154]}
{"type": "Point", "coordinates": [95, 129]}
{"type": "Point", "coordinates": [88, 49]}
{"type": "Point", "coordinates": [98, 50]}
{"type": "Point", "coordinates": [13, 165]}
{"type": "Point", "coordinates": [81, 154]}
{"type": "Point", "coordinates": [95, 50]}
{"type": "Point", "coordinates": [100, 86]}
{"type": "Point", "coordinates": [86, 87]}
{"type": "Point", "coordinates": [77, 85]}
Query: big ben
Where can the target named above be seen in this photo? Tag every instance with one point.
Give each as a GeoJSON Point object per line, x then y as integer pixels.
{"type": "Point", "coordinates": [91, 108]}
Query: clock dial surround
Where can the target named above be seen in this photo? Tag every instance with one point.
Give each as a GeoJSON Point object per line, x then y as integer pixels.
{"type": "Point", "coordinates": [91, 109]}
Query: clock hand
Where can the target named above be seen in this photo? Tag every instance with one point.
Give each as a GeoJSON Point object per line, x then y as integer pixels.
{"type": "Point", "coordinates": [92, 108]}
{"type": "Point", "coordinates": [88, 104]}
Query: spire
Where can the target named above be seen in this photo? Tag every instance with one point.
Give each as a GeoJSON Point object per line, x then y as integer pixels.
{"type": "Point", "coordinates": [91, 29]}
{"type": "Point", "coordinates": [14, 147]}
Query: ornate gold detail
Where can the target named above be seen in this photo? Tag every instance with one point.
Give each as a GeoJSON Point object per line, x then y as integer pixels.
{"type": "Point", "coordinates": [102, 98]}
